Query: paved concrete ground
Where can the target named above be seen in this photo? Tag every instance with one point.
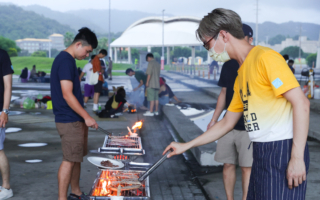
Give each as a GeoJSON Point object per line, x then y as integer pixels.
{"type": "Point", "coordinates": [38, 181]}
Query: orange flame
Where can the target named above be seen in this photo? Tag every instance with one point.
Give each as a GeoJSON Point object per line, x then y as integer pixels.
{"type": "Point", "coordinates": [137, 125]}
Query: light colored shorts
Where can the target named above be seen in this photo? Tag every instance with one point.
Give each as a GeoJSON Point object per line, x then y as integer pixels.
{"type": "Point", "coordinates": [235, 148]}
{"type": "Point", "coordinates": [152, 94]}
{"type": "Point", "coordinates": [74, 140]}
{"type": "Point", "coordinates": [2, 137]}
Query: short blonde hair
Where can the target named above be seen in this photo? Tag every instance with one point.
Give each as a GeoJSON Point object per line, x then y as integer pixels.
{"type": "Point", "coordinates": [220, 19]}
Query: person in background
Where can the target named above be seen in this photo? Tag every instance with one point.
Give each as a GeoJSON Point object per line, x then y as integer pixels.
{"type": "Point", "coordinates": [5, 98]}
{"type": "Point", "coordinates": [110, 69]}
{"type": "Point", "coordinates": [33, 73]}
{"type": "Point", "coordinates": [105, 89]}
{"type": "Point", "coordinates": [275, 110]}
{"type": "Point", "coordinates": [24, 74]}
{"type": "Point", "coordinates": [141, 77]}
{"type": "Point", "coordinates": [136, 63]}
{"type": "Point", "coordinates": [232, 149]}
{"type": "Point", "coordinates": [165, 93]}
{"type": "Point", "coordinates": [72, 121]}
{"type": "Point", "coordinates": [88, 88]}
{"type": "Point", "coordinates": [286, 57]}
{"type": "Point", "coordinates": [79, 70]}
{"type": "Point", "coordinates": [152, 84]}
{"type": "Point", "coordinates": [212, 65]}
{"type": "Point", "coordinates": [290, 64]}
{"type": "Point", "coordinates": [116, 102]}
{"type": "Point", "coordinates": [97, 68]}
{"type": "Point", "coordinates": [41, 76]}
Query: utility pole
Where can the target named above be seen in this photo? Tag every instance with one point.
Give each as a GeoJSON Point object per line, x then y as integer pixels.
{"type": "Point", "coordinates": [109, 36]}
{"type": "Point", "coordinates": [256, 33]}
{"type": "Point", "coordinates": [162, 57]}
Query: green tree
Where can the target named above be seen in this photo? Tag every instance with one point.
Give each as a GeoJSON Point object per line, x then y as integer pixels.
{"type": "Point", "coordinates": [39, 54]}
{"type": "Point", "coordinates": [202, 54]}
{"type": "Point", "coordinates": [312, 58]}
{"type": "Point", "coordinates": [12, 52]}
{"type": "Point", "coordinates": [6, 44]}
{"type": "Point", "coordinates": [292, 51]}
{"type": "Point", "coordinates": [17, 23]}
{"type": "Point", "coordinates": [157, 56]}
{"type": "Point", "coordinates": [68, 38]}
{"type": "Point", "coordinates": [102, 44]}
{"type": "Point", "coordinates": [277, 39]}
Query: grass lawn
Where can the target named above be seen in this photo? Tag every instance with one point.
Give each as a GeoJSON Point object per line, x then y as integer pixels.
{"type": "Point", "coordinates": [44, 64]}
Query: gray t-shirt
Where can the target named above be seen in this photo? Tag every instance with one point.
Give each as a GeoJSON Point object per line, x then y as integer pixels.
{"type": "Point", "coordinates": [154, 71]}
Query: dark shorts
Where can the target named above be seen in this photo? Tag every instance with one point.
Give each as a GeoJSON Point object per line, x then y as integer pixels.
{"type": "Point", "coordinates": [98, 87]}
{"type": "Point", "coordinates": [88, 90]}
{"type": "Point", "coordinates": [268, 174]}
{"type": "Point", "coordinates": [74, 140]}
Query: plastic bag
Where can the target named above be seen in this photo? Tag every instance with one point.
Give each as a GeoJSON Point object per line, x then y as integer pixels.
{"type": "Point", "coordinates": [28, 103]}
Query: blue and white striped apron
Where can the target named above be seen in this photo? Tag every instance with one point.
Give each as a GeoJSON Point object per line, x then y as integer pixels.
{"type": "Point", "coordinates": [268, 179]}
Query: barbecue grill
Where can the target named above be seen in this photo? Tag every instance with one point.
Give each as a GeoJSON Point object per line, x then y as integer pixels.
{"type": "Point", "coordinates": [106, 185]}
{"type": "Point", "coordinates": [132, 147]}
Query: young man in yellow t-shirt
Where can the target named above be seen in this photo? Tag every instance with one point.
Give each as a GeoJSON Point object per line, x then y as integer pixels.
{"type": "Point", "coordinates": [275, 110]}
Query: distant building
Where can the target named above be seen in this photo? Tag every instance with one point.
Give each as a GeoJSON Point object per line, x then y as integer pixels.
{"type": "Point", "coordinates": [308, 46]}
{"type": "Point", "coordinates": [57, 41]}
{"type": "Point", "coordinates": [32, 45]}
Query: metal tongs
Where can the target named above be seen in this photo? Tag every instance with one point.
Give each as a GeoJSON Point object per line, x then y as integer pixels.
{"type": "Point", "coordinates": [154, 166]}
{"type": "Point", "coordinates": [104, 131]}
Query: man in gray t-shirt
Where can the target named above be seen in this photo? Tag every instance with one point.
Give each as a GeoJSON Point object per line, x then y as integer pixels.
{"type": "Point", "coordinates": [153, 85]}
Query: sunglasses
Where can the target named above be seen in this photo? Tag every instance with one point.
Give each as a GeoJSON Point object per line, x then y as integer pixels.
{"type": "Point", "coordinates": [206, 44]}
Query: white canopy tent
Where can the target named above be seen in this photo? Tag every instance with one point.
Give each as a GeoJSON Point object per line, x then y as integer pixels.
{"type": "Point", "coordinates": [147, 32]}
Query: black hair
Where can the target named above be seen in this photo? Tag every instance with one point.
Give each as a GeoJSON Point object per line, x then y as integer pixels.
{"type": "Point", "coordinates": [149, 55]}
{"type": "Point", "coordinates": [103, 51]}
{"type": "Point", "coordinates": [129, 70]}
{"type": "Point", "coordinates": [164, 80]}
{"type": "Point", "coordinates": [291, 61]}
{"type": "Point", "coordinates": [286, 57]}
{"type": "Point", "coordinates": [34, 66]}
{"type": "Point", "coordinates": [87, 37]}
{"type": "Point", "coordinates": [92, 57]}
{"type": "Point", "coordinates": [121, 92]}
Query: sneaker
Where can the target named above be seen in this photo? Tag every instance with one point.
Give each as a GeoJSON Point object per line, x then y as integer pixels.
{"type": "Point", "coordinates": [118, 114]}
{"type": "Point", "coordinates": [5, 193]}
{"type": "Point", "coordinates": [83, 196]}
{"type": "Point", "coordinates": [156, 113]}
{"type": "Point", "coordinates": [148, 113]}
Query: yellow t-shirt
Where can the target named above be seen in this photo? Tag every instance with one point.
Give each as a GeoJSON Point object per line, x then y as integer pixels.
{"type": "Point", "coordinates": [262, 79]}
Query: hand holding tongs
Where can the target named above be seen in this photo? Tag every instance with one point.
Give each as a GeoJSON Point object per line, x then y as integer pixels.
{"type": "Point", "coordinates": [154, 166]}
{"type": "Point", "coordinates": [104, 131]}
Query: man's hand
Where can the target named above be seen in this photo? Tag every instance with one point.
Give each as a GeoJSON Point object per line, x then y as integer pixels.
{"type": "Point", "coordinates": [296, 172]}
{"type": "Point", "coordinates": [135, 89]}
{"type": "Point", "coordinates": [212, 122]}
{"type": "Point", "coordinates": [90, 122]}
{"type": "Point", "coordinates": [3, 120]}
{"type": "Point", "coordinates": [178, 148]}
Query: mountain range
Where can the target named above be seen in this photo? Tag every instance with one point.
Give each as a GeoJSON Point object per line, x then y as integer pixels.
{"type": "Point", "coordinates": [39, 22]}
{"type": "Point", "coordinates": [121, 19]}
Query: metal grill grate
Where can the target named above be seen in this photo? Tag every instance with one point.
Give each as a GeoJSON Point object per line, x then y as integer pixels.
{"type": "Point", "coordinates": [111, 140]}
{"type": "Point", "coordinates": [107, 183]}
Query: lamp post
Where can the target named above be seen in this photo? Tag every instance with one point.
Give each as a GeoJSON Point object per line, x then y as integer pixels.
{"type": "Point", "coordinates": [162, 57]}
{"type": "Point", "coordinates": [109, 36]}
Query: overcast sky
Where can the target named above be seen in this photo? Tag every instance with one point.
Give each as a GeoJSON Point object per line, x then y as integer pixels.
{"type": "Point", "coordinates": [269, 10]}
